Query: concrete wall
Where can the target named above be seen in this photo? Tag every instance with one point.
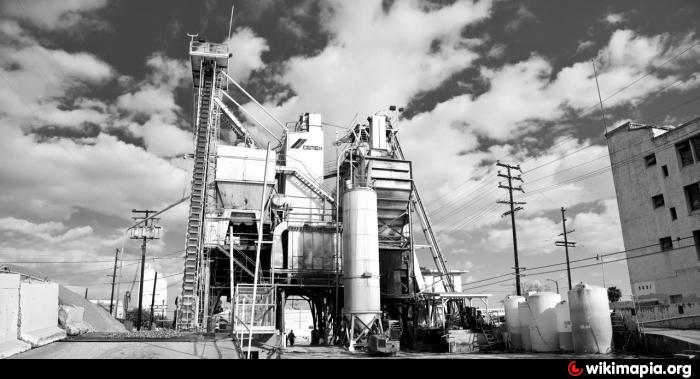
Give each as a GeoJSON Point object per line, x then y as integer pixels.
{"type": "Point", "coordinates": [661, 312]}
{"type": "Point", "coordinates": [656, 277]}
{"type": "Point", "coordinates": [687, 322]}
{"type": "Point", "coordinates": [9, 316]}
{"type": "Point", "coordinates": [38, 313]}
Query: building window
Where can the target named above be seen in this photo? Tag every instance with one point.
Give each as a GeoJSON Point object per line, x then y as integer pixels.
{"type": "Point", "coordinates": [695, 141]}
{"type": "Point", "coordinates": [658, 201]}
{"type": "Point", "coordinates": [674, 215]}
{"type": "Point", "coordinates": [666, 243]}
{"type": "Point", "coordinates": [675, 299]}
{"type": "Point", "coordinates": [664, 168]}
{"type": "Point", "coordinates": [685, 153]}
{"type": "Point", "coordinates": [692, 194]}
{"type": "Point", "coordinates": [650, 160]}
{"type": "Point", "coordinates": [696, 236]}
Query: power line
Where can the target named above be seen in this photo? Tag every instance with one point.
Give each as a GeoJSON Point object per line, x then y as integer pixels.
{"type": "Point", "coordinates": [593, 107]}
{"type": "Point", "coordinates": [600, 256]}
{"type": "Point", "coordinates": [166, 256]}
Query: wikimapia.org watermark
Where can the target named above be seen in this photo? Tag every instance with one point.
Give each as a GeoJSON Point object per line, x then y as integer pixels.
{"type": "Point", "coordinates": [605, 368]}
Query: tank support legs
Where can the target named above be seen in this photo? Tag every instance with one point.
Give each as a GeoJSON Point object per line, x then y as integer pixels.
{"type": "Point", "coordinates": [358, 330]}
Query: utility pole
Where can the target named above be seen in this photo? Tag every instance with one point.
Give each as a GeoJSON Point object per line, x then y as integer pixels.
{"type": "Point", "coordinates": [566, 243]}
{"type": "Point", "coordinates": [86, 291]}
{"type": "Point", "coordinates": [146, 230]}
{"type": "Point", "coordinates": [602, 268]}
{"type": "Point", "coordinates": [153, 297]}
{"type": "Point", "coordinates": [514, 207]}
{"type": "Point", "coordinates": [114, 279]}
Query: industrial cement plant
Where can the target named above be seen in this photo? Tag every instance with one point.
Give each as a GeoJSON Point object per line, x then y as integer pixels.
{"type": "Point", "coordinates": [263, 227]}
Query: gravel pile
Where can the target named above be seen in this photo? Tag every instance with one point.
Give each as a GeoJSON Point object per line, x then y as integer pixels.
{"type": "Point", "coordinates": [157, 334]}
{"type": "Point", "coordinates": [94, 315]}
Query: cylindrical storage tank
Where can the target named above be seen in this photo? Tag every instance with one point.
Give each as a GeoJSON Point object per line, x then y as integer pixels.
{"type": "Point", "coordinates": [361, 254]}
{"type": "Point", "coordinates": [543, 327]}
{"type": "Point", "coordinates": [513, 321]}
{"type": "Point", "coordinates": [591, 327]}
{"type": "Point", "coordinates": [525, 318]}
{"type": "Point", "coordinates": [564, 326]}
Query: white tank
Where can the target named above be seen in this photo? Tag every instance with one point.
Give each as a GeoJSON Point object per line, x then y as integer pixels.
{"type": "Point", "coordinates": [543, 327]}
{"type": "Point", "coordinates": [564, 326]}
{"type": "Point", "coordinates": [513, 321]}
{"type": "Point", "coordinates": [591, 327]}
{"type": "Point", "coordinates": [361, 254]}
{"type": "Point", "coordinates": [525, 318]}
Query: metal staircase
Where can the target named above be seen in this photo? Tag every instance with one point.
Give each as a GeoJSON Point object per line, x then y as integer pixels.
{"type": "Point", "coordinates": [193, 250]}
{"type": "Point", "coordinates": [308, 182]}
{"type": "Point", "coordinates": [237, 126]}
{"type": "Point", "coordinates": [488, 335]}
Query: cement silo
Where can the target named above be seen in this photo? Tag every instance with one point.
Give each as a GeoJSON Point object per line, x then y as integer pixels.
{"type": "Point", "coordinates": [564, 326]}
{"type": "Point", "coordinates": [543, 325]}
{"type": "Point", "coordinates": [361, 257]}
{"type": "Point", "coordinates": [525, 318]}
{"type": "Point", "coordinates": [591, 326]}
{"type": "Point", "coordinates": [513, 321]}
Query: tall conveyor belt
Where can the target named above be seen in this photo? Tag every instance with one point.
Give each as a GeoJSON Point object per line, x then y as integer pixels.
{"type": "Point", "coordinates": [187, 313]}
{"type": "Point", "coordinates": [429, 234]}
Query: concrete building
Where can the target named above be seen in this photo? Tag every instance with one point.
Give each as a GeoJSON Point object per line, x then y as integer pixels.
{"type": "Point", "coordinates": [657, 180]}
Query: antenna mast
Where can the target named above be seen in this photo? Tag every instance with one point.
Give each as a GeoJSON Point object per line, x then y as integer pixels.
{"type": "Point", "coordinates": [602, 112]}
{"type": "Point", "coordinates": [230, 24]}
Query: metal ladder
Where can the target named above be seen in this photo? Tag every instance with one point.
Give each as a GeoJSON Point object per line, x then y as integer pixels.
{"type": "Point", "coordinates": [188, 306]}
{"type": "Point", "coordinates": [488, 335]}
{"type": "Point", "coordinates": [428, 231]}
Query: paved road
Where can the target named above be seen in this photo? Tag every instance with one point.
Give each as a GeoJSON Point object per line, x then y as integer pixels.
{"type": "Point", "coordinates": [223, 349]}
{"type": "Point", "coordinates": [335, 352]}
{"type": "Point", "coordinates": [220, 349]}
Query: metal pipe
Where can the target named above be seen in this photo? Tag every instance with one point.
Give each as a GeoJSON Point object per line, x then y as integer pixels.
{"type": "Point", "coordinates": [230, 267]}
{"type": "Point", "coordinates": [337, 231]}
{"type": "Point", "coordinates": [284, 127]}
{"type": "Point", "coordinates": [555, 282]}
{"type": "Point", "coordinates": [251, 116]}
{"type": "Point", "coordinates": [257, 253]}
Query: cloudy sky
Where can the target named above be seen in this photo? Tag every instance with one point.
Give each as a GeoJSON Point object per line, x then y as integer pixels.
{"type": "Point", "coordinates": [95, 115]}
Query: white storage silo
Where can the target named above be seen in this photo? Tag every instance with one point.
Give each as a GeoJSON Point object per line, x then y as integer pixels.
{"type": "Point", "coordinates": [361, 256]}
{"type": "Point", "coordinates": [513, 321]}
{"type": "Point", "coordinates": [564, 326]}
{"type": "Point", "coordinates": [591, 327]}
{"type": "Point", "coordinates": [543, 326]}
{"type": "Point", "coordinates": [525, 318]}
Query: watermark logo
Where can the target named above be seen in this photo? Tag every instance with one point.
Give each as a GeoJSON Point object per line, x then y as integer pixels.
{"type": "Point", "coordinates": [573, 370]}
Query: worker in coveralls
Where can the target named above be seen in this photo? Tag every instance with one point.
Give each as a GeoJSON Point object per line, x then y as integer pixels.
{"type": "Point", "coordinates": [291, 337]}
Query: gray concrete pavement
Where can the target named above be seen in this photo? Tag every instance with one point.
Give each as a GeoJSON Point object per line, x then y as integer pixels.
{"type": "Point", "coordinates": [220, 349]}
{"type": "Point", "coordinates": [223, 349]}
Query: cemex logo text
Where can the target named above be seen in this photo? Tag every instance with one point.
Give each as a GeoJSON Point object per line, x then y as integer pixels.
{"type": "Point", "coordinates": [612, 368]}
